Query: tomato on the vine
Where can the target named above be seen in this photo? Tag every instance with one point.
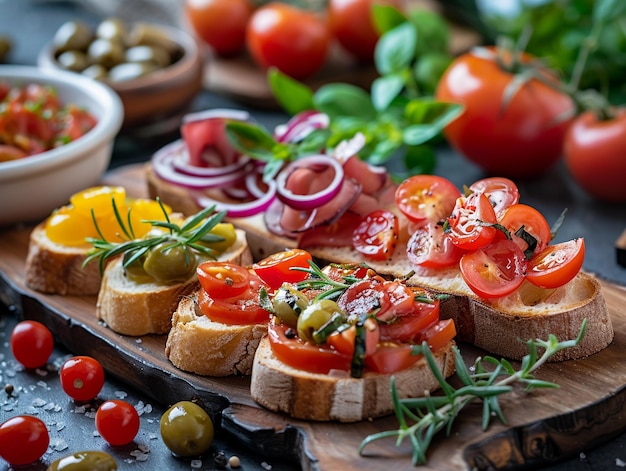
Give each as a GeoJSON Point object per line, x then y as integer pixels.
{"type": "Point", "coordinates": [23, 440]}
{"type": "Point", "coordinates": [556, 264]}
{"type": "Point", "coordinates": [220, 23]}
{"type": "Point", "coordinates": [352, 25]}
{"type": "Point", "coordinates": [512, 134]}
{"type": "Point", "coordinates": [495, 270]}
{"type": "Point", "coordinates": [82, 377]}
{"type": "Point", "coordinates": [377, 235]}
{"type": "Point", "coordinates": [117, 422]}
{"type": "Point", "coordinates": [31, 343]}
{"type": "Point", "coordinates": [426, 198]}
{"type": "Point", "coordinates": [293, 40]}
{"type": "Point", "coordinates": [594, 157]}
{"type": "Point", "coordinates": [278, 268]}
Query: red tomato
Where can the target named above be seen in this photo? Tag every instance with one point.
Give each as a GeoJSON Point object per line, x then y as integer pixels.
{"type": "Point", "coordinates": [222, 279]}
{"type": "Point", "coordinates": [390, 357]}
{"type": "Point", "coordinates": [238, 310]}
{"type": "Point", "coordinates": [343, 341]}
{"type": "Point", "coordinates": [429, 246]}
{"type": "Point", "coordinates": [521, 138]}
{"type": "Point", "coordinates": [426, 198]}
{"type": "Point", "coordinates": [293, 40]}
{"type": "Point", "coordinates": [220, 23]}
{"type": "Point", "coordinates": [471, 222]}
{"type": "Point", "coordinates": [594, 157]}
{"type": "Point", "coordinates": [501, 192]}
{"type": "Point", "coordinates": [31, 343]}
{"type": "Point", "coordinates": [495, 270]}
{"type": "Point", "coordinates": [117, 422]}
{"type": "Point", "coordinates": [352, 25]}
{"type": "Point", "coordinates": [279, 267]}
{"type": "Point", "coordinates": [377, 235]}
{"type": "Point", "coordinates": [23, 440]}
{"type": "Point", "coordinates": [556, 264]}
{"type": "Point", "coordinates": [82, 378]}
{"type": "Point", "coordinates": [533, 222]}
{"type": "Point", "coordinates": [439, 334]}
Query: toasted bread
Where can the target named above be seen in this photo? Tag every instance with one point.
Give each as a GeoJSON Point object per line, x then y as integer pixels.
{"type": "Point", "coordinates": [132, 308]}
{"type": "Point", "coordinates": [337, 396]}
{"type": "Point", "coordinates": [199, 345]}
{"type": "Point", "coordinates": [58, 269]}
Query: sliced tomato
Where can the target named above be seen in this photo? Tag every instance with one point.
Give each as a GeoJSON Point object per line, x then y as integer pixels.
{"type": "Point", "coordinates": [303, 355]}
{"type": "Point", "coordinates": [223, 280]}
{"type": "Point", "coordinates": [376, 236]}
{"type": "Point", "coordinates": [520, 216]}
{"type": "Point", "coordinates": [365, 298]}
{"type": "Point", "coordinates": [495, 270]}
{"type": "Point", "coordinates": [556, 264]}
{"type": "Point", "coordinates": [426, 198]}
{"type": "Point", "coordinates": [471, 222]}
{"type": "Point", "coordinates": [279, 267]}
{"type": "Point", "coordinates": [439, 334]}
{"type": "Point", "coordinates": [390, 357]}
{"type": "Point", "coordinates": [408, 328]}
{"type": "Point", "coordinates": [239, 310]}
{"type": "Point", "coordinates": [429, 246]}
{"type": "Point", "coordinates": [343, 341]}
{"type": "Point", "coordinates": [500, 191]}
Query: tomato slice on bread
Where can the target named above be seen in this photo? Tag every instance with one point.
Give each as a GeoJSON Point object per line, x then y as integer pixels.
{"type": "Point", "coordinates": [556, 264]}
{"type": "Point", "coordinates": [426, 198]}
{"type": "Point", "coordinates": [279, 267]}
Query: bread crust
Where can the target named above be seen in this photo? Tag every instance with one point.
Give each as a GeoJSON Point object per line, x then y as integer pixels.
{"type": "Point", "coordinates": [338, 397]}
{"type": "Point", "coordinates": [135, 309]}
{"type": "Point", "coordinates": [199, 345]}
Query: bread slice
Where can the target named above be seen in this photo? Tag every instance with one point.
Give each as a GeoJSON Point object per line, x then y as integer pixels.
{"type": "Point", "coordinates": [337, 396]}
{"type": "Point", "coordinates": [132, 308]}
{"type": "Point", "coordinates": [199, 345]}
{"type": "Point", "coordinates": [58, 269]}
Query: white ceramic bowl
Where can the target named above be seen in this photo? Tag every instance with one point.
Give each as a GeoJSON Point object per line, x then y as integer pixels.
{"type": "Point", "coordinates": [31, 187]}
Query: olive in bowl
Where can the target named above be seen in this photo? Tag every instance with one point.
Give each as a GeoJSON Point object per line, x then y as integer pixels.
{"type": "Point", "coordinates": [37, 181]}
{"type": "Point", "coordinates": [157, 70]}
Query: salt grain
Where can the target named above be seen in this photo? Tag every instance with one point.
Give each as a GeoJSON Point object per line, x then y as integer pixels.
{"type": "Point", "coordinates": [265, 465]}
{"type": "Point", "coordinates": [120, 394]}
{"type": "Point", "coordinates": [196, 464]}
{"type": "Point", "coordinates": [620, 463]}
{"type": "Point", "coordinates": [38, 402]}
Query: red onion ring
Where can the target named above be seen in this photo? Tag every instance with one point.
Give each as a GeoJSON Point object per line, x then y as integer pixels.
{"type": "Point", "coordinates": [313, 200]}
{"type": "Point", "coordinates": [225, 113]}
{"type": "Point", "coordinates": [241, 210]}
{"type": "Point", "coordinates": [181, 164]}
{"type": "Point", "coordinates": [301, 125]}
{"type": "Point", "coordinates": [163, 165]}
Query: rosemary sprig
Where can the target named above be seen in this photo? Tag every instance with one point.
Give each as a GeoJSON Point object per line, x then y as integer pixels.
{"type": "Point", "coordinates": [194, 233]}
{"type": "Point", "coordinates": [318, 280]}
{"type": "Point", "coordinates": [430, 414]}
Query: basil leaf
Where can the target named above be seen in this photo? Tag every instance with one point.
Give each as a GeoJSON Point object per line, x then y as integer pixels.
{"type": "Point", "coordinates": [343, 99]}
{"type": "Point", "coordinates": [385, 89]}
{"type": "Point", "coordinates": [291, 95]}
{"type": "Point", "coordinates": [395, 49]}
{"type": "Point", "coordinates": [386, 17]}
{"type": "Point", "coordinates": [251, 140]}
{"type": "Point", "coordinates": [605, 11]}
{"type": "Point", "coordinates": [427, 110]}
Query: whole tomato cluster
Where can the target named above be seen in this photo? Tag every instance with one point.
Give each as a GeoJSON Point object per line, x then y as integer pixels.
{"type": "Point", "coordinates": [280, 34]}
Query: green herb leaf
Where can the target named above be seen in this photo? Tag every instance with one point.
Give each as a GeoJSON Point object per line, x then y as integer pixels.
{"type": "Point", "coordinates": [343, 99]}
{"type": "Point", "coordinates": [395, 49]}
{"type": "Point", "coordinates": [292, 95]}
{"type": "Point", "coordinates": [385, 89]}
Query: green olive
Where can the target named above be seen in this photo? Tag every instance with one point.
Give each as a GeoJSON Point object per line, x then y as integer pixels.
{"type": "Point", "coordinates": [143, 34]}
{"type": "Point", "coordinates": [315, 316]}
{"type": "Point", "coordinates": [105, 52]}
{"type": "Point", "coordinates": [84, 461]}
{"type": "Point", "coordinates": [134, 270]}
{"type": "Point", "coordinates": [130, 71]}
{"type": "Point", "coordinates": [96, 72]}
{"type": "Point", "coordinates": [72, 35]}
{"type": "Point", "coordinates": [170, 263]}
{"type": "Point", "coordinates": [225, 230]}
{"type": "Point", "coordinates": [288, 304]}
{"type": "Point", "coordinates": [75, 61]}
{"type": "Point", "coordinates": [112, 29]}
{"type": "Point", "coordinates": [186, 429]}
{"type": "Point", "coordinates": [151, 54]}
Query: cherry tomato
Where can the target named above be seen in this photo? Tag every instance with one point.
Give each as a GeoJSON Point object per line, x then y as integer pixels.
{"type": "Point", "coordinates": [500, 191]}
{"type": "Point", "coordinates": [495, 270]}
{"type": "Point", "coordinates": [533, 222]}
{"type": "Point", "coordinates": [220, 23]}
{"type": "Point", "coordinates": [426, 198]}
{"type": "Point", "coordinates": [82, 378]}
{"type": "Point", "coordinates": [439, 334]}
{"type": "Point", "coordinates": [117, 422]}
{"type": "Point", "coordinates": [429, 246]}
{"type": "Point", "coordinates": [278, 268]}
{"type": "Point", "coordinates": [343, 341]}
{"type": "Point", "coordinates": [593, 155]}
{"type": "Point", "coordinates": [23, 440]}
{"type": "Point", "coordinates": [293, 40]}
{"type": "Point", "coordinates": [352, 25]}
{"type": "Point", "coordinates": [556, 264]}
{"type": "Point", "coordinates": [471, 222]}
{"type": "Point", "coordinates": [377, 235]}
{"type": "Point", "coordinates": [390, 357]}
{"type": "Point", "coordinates": [519, 138]}
{"type": "Point", "coordinates": [31, 343]}
{"type": "Point", "coordinates": [222, 279]}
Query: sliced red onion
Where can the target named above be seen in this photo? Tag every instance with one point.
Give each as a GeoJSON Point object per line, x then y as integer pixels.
{"type": "Point", "coordinates": [244, 209]}
{"type": "Point", "coordinates": [225, 113]}
{"type": "Point", "coordinates": [301, 125]}
{"type": "Point", "coordinates": [163, 165]}
{"type": "Point", "coordinates": [181, 164]}
{"type": "Point", "coordinates": [349, 147]}
{"type": "Point", "coordinates": [313, 200]}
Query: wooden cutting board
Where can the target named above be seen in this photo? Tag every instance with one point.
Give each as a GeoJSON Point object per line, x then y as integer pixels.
{"type": "Point", "coordinates": [543, 426]}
